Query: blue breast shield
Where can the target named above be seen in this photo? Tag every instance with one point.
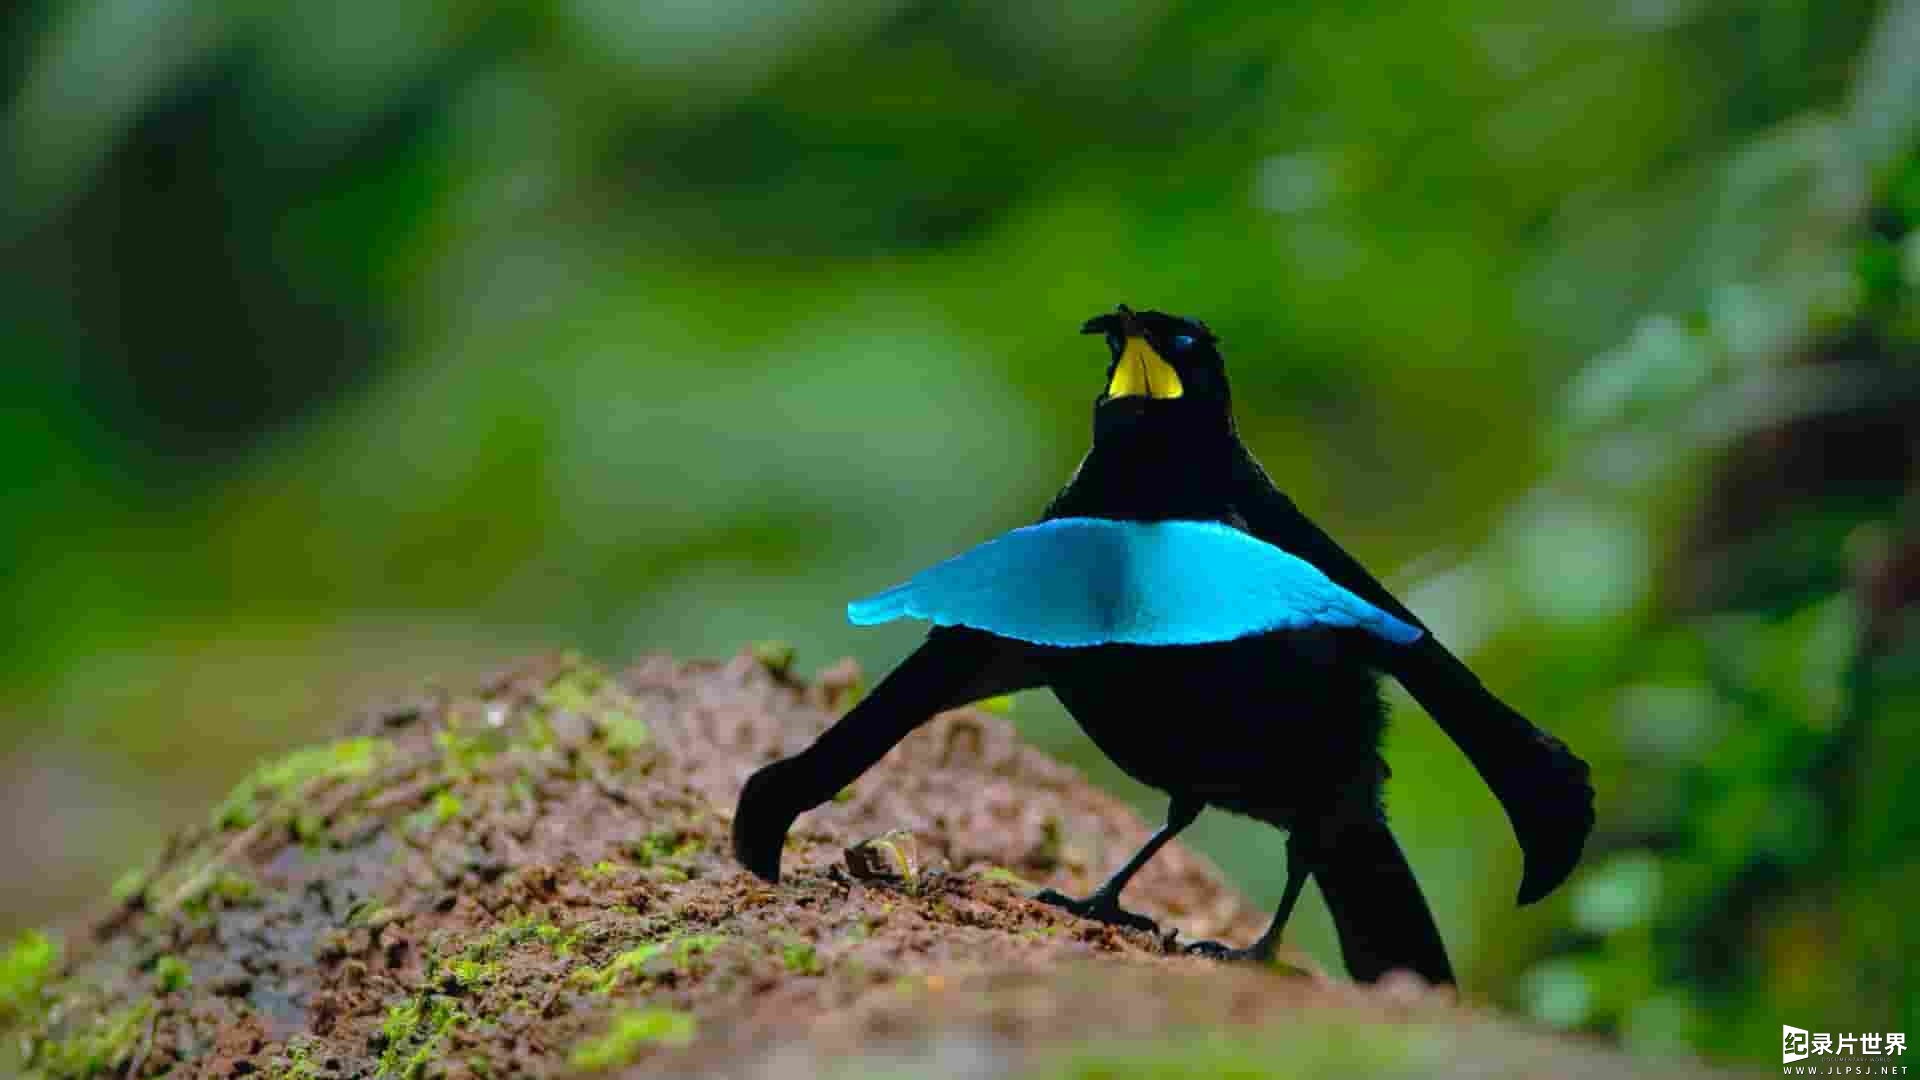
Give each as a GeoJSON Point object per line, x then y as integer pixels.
{"type": "Point", "coordinates": [1092, 581]}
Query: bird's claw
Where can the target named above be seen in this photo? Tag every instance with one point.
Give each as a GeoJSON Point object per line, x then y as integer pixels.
{"type": "Point", "coordinates": [1214, 950]}
{"type": "Point", "coordinates": [1099, 908]}
{"type": "Point", "coordinates": [761, 821]}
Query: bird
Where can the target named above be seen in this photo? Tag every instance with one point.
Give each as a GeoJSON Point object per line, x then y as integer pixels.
{"type": "Point", "coordinates": [1218, 646]}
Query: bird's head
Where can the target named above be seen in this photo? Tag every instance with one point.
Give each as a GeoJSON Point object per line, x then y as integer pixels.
{"type": "Point", "coordinates": [1160, 366]}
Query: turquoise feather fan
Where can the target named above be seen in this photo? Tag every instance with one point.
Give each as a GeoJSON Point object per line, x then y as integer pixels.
{"type": "Point", "coordinates": [1076, 582]}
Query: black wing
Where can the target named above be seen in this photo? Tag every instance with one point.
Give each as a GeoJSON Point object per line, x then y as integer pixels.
{"type": "Point", "coordinates": [952, 667]}
{"type": "Point", "coordinates": [1544, 787]}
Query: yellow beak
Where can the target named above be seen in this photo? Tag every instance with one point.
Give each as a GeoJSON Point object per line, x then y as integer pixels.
{"type": "Point", "coordinates": [1142, 373]}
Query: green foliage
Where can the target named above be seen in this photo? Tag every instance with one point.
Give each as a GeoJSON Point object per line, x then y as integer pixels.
{"type": "Point", "coordinates": [689, 946]}
{"type": "Point", "coordinates": [801, 958]}
{"type": "Point", "coordinates": [775, 656]}
{"type": "Point", "coordinates": [465, 752]}
{"type": "Point", "coordinates": [296, 1062]}
{"type": "Point", "coordinates": [102, 1047]}
{"type": "Point", "coordinates": [1003, 876]}
{"type": "Point", "coordinates": [26, 965]}
{"type": "Point", "coordinates": [129, 884]}
{"type": "Point", "coordinates": [639, 962]}
{"type": "Point", "coordinates": [468, 973]}
{"type": "Point", "coordinates": [477, 964]}
{"type": "Point", "coordinates": [1747, 876]}
{"type": "Point", "coordinates": [282, 779]}
{"type": "Point", "coordinates": [205, 887]}
{"type": "Point", "coordinates": [573, 692]}
{"type": "Point", "coordinates": [412, 1034]}
{"type": "Point", "coordinates": [518, 931]}
{"type": "Point", "coordinates": [170, 973]}
{"type": "Point", "coordinates": [664, 846]}
{"type": "Point", "coordinates": [372, 914]}
{"type": "Point", "coordinates": [622, 731]}
{"type": "Point", "coordinates": [633, 1031]}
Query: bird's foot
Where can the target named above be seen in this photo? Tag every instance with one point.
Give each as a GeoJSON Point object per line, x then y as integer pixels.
{"type": "Point", "coordinates": [1213, 950]}
{"type": "Point", "coordinates": [1100, 908]}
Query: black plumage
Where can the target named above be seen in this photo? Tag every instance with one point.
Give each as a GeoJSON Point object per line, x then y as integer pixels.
{"type": "Point", "coordinates": [1283, 727]}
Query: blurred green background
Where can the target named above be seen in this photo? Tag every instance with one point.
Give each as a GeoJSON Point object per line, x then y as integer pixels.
{"type": "Point", "coordinates": [351, 343]}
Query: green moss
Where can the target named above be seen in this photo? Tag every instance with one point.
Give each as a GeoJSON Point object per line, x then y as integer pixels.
{"type": "Point", "coordinates": [129, 884]}
{"type": "Point", "coordinates": [560, 941]}
{"type": "Point", "coordinates": [586, 976]}
{"type": "Point", "coordinates": [631, 962]}
{"type": "Point", "coordinates": [309, 829]}
{"type": "Point", "coordinates": [283, 778]}
{"type": "Point", "coordinates": [1001, 705]}
{"type": "Point", "coordinates": [631, 1033]}
{"type": "Point", "coordinates": [801, 958]}
{"type": "Point", "coordinates": [373, 914]}
{"type": "Point", "coordinates": [25, 967]}
{"type": "Point", "coordinates": [623, 732]}
{"type": "Point", "coordinates": [468, 973]}
{"type": "Point", "coordinates": [171, 973]}
{"type": "Point", "coordinates": [574, 689]}
{"type": "Point", "coordinates": [634, 962]}
{"type": "Point", "coordinates": [517, 931]}
{"type": "Point", "coordinates": [692, 945]}
{"type": "Point", "coordinates": [665, 845]}
{"type": "Point", "coordinates": [211, 888]}
{"type": "Point", "coordinates": [462, 752]}
{"type": "Point", "coordinates": [296, 1062]}
{"type": "Point", "coordinates": [1003, 876]}
{"type": "Point", "coordinates": [442, 808]}
{"type": "Point", "coordinates": [477, 964]}
{"type": "Point", "coordinates": [774, 655]}
{"type": "Point", "coordinates": [844, 795]}
{"type": "Point", "coordinates": [106, 1046]}
{"type": "Point", "coordinates": [412, 1034]}
{"type": "Point", "coordinates": [535, 735]}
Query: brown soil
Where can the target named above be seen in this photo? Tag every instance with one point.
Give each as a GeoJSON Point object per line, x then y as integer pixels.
{"type": "Point", "coordinates": [533, 880]}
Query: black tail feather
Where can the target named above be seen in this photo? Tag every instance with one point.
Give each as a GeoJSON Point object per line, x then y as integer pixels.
{"type": "Point", "coordinates": [1377, 907]}
{"type": "Point", "coordinates": [1546, 789]}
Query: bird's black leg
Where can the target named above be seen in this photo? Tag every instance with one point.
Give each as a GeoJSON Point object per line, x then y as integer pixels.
{"type": "Point", "coordinates": [1103, 905]}
{"type": "Point", "coordinates": [1262, 950]}
{"type": "Point", "coordinates": [953, 667]}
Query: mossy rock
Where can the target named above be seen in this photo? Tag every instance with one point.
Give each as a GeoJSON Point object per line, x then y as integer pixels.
{"type": "Point", "coordinates": [532, 879]}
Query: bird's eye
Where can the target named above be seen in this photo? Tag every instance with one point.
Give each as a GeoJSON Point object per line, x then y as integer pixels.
{"type": "Point", "coordinates": [1183, 341]}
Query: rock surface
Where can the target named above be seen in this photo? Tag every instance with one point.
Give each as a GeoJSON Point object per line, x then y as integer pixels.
{"type": "Point", "coordinates": [532, 880]}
